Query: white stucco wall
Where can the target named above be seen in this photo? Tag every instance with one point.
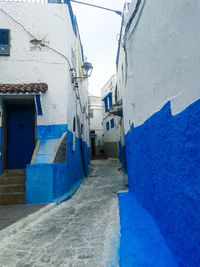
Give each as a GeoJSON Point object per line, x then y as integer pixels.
{"type": "Point", "coordinates": [27, 64]}
{"type": "Point", "coordinates": [163, 57]}
{"type": "Point", "coordinates": [30, 64]}
{"type": "Point", "coordinates": [96, 121]}
{"type": "Point", "coordinates": [113, 134]}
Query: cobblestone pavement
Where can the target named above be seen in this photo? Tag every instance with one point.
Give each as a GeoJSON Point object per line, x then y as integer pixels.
{"type": "Point", "coordinates": [83, 231]}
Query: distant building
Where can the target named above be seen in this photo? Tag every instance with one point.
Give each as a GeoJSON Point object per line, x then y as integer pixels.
{"type": "Point", "coordinates": [44, 109]}
{"type": "Point", "coordinates": [111, 123]}
{"type": "Point", "coordinates": [96, 126]}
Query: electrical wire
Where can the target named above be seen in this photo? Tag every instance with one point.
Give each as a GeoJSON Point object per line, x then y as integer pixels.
{"type": "Point", "coordinates": [39, 42]}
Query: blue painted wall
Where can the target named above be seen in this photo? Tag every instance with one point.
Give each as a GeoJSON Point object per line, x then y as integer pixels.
{"type": "Point", "coordinates": [141, 241]}
{"type": "Point", "coordinates": [51, 131]}
{"type": "Point", "coordinates": [163, 165]}
{"type": "Point", "coordinates": [47, 182]}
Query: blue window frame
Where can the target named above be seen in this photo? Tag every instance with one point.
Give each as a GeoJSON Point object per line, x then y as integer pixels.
{"type": "Point", "coordinates": [107, 125]}
{"type": "Point", "coordinates": [74, 124]}
{"type": "Point", "coordinates": [38, 105]}
{"type": "Point", "coordinates": [110, 99]}
{"type": "Point", "coordinates": [112, 123]}
{"type": "Point", "coordinates": [106, 104]}
{"type": "Point", "coordinates": [4, 42]}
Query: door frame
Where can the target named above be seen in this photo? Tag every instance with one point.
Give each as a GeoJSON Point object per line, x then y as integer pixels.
{"type": "Point", "coordinates": [5, 103]}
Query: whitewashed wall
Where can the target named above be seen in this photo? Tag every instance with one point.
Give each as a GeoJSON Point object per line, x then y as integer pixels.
{"type": "Point", "coordinates": [29, 64]}
{"type": "Point", "coordinates": [113, 134]}
{"type": "Point", "coordinates": [163, 58]}
{"type": "Point", "coordinates": [96, 121]}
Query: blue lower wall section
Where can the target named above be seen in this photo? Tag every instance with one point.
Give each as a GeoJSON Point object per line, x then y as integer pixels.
{"type": "Point", "coordinates": [163, 165]}
{"type": "Point", "coordinates": [47, 182]}
{"type": "Point", "coordinates": [141, 241]}
{"type": "Point", "coordinates": [122, 156]}
{"type": "Point", "coordinates": [51, 131]}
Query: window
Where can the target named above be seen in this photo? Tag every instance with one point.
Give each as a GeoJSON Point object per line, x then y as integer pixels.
{"type": "Point", "coordinates": [74, 124]}
{"type": "Point", "coordinates": [107, 125]}
{"type": "Point", "coordinates": [4, 42]}
{"type": "Point", "coordinates": [110, 100]}
{"type": "Point", "coordinates": [112, 123]}
{"type": "Point", "coordinates": [106, 104]}
{"type": "Point", "coordinates": [91, 114]}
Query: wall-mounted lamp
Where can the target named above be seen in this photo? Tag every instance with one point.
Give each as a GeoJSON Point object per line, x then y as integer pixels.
{"type": "Point", "coordinates": [87, 71]}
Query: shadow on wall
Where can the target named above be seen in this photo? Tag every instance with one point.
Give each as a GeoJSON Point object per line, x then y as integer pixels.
{"type": "Point", "coordinates": [163, 165]}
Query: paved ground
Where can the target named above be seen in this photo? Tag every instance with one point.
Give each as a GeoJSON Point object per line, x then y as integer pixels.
{"type": "Point", "coordinates": [84, 231]}
{"type": "Point", "coordinates": [10, 214]}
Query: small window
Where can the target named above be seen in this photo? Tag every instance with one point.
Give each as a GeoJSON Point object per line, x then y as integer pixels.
{"type": "Point", "coordinates": [110, 99]}
{"type": "Point", "coordinates": [81, 128]}
{"type": "Point", "coordinates": [107, 126]}
{"type": "Point", "coordinates": [74, 124]}
{"type": "Point", "coordinates": [4, 42]}
{"type": "Point", "coordinates": [91, 114]}
{"type": "Point", "coordinates": [106, 104]}
{"type": "Point", "coordinates": [112, 123]}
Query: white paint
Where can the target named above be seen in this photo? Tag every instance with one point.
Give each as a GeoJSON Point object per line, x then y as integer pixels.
{"type": "Point", "coordinates": [96, 120]}
{"type": "Point", "coordinates": [113, 134]}
{"type": "Point", "coordinates": [163, 59]}
{"type": "Point", "coordinates": [26, 64]}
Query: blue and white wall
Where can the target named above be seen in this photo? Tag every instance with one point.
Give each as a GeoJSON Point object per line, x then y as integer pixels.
{"type": "Point", "coordinates": [62, 105]}
{"type": "Point", "coordinates": [96, 123]}
{"type": "Point", "coordinates": [111, 123]}
{"type": "Point", "coordinates": [161, 104]}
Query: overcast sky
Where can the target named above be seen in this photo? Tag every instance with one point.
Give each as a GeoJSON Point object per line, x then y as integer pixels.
{"type": "Point", "coordinates": [99, 29]}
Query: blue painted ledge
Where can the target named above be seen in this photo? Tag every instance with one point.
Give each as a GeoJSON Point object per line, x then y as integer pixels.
{"type": "Point", "coordinates": [69, 194]}
{"type": "Point", "coordinates": [142, 244]}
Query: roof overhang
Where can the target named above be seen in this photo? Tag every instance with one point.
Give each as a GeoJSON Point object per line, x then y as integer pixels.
{"type": "Point", "coordinates": [25, 88]}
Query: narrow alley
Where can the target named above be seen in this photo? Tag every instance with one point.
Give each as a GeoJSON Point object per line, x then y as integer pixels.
{"type": "Point", "coordinates": [83, 231]}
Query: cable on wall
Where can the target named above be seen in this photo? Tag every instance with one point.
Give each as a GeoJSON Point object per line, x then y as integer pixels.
{"type": "Point", "coordinates": [40, 42]}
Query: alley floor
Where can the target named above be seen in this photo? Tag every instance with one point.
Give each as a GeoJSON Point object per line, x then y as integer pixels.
{"type": "Point", "coordinates": [83, 231]}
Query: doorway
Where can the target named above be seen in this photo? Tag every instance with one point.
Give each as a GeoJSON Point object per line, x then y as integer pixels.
{"type": "Point", "coordinates": [18, 134]}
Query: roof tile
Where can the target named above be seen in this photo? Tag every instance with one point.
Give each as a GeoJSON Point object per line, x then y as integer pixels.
{"type": "Point", "coordinates": [24, 88]}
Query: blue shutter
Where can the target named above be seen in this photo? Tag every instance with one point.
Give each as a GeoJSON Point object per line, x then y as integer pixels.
{"type": "Point", "coordinates": [112, 123]}
{"type": "Point", "coordinates": [4, 42]}
{"type": "Point", "coordinates": [110, 100]}
{"type": "Point", "coordinates": [107, 125]}
{"type": "Point", "coordinates": [106, 104]}
{"type": "Point", "coordinates": [38, 105]}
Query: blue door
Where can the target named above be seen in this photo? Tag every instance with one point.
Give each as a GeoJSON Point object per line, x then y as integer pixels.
{"type": "Point", "coordinates": [20, 120]}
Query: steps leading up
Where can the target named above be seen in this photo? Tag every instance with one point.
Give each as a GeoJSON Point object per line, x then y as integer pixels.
{"type": "Point", "coordinates": [12, 187]}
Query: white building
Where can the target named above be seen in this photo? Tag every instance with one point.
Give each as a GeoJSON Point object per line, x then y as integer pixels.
{"type": "Point", "coordinates": [44, 108]}
{"type": "Point", "coordinates": [111, 123]}
{"type": "Point", "coordinates": [159, 73]}
{"type": "Point", "coordinates": [96, 126]}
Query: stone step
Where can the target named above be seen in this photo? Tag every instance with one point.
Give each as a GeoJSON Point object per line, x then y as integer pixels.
{"type": "Point", "coordinates": [12, 180]}
{"type": "Point", "coordinates": [17, 172]}
{"type": "Point", "coordinates": [12, 198]}
{"type": "Point", "coordinates": [12, 188]}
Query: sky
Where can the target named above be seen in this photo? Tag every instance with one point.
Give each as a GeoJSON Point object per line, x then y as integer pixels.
{"type": "Point", "coordinates": [99, 30]}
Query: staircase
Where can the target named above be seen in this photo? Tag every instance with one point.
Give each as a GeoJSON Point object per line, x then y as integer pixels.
{"type": "Point", "coordinates": [12, 187]}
